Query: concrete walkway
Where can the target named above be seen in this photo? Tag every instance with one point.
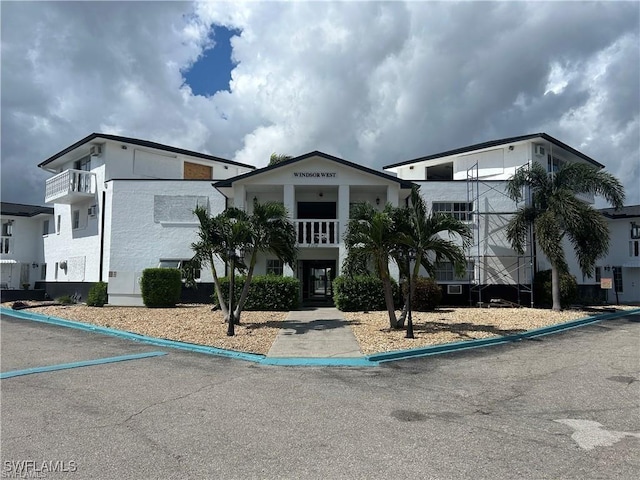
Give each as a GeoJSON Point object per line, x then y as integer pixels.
{"type": "Point", "coordinates": [315, 332]}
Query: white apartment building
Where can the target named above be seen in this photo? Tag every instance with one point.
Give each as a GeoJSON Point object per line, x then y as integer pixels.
{"type": "Point", "coordinates": [470, 183]}
{"type": "Point", "coordinates": [622, 263]}
{"type": "Point", "coordinates": [21, 247]}
{"type": "Point", "coordinates": [122, 205]}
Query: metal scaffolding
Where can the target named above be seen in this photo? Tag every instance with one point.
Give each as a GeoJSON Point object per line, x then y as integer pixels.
{"type": "Point", "coordinates": [477, 252]}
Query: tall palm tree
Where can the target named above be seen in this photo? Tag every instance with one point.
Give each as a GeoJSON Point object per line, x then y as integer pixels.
{"type": "Point", "coordinates": [372, 234]}
{"type": "Point", "coordinates": [270, 231]}
{"type": "Point", "coordinates": [555, 214]}
{"type": "Point", "coordinates": [425, 235]}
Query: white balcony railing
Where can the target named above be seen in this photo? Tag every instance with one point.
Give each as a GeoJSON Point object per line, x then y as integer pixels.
{"type": "Point", "coordinates": [70, 186]}
{"type": "Point", "coordinates": [315, 233]}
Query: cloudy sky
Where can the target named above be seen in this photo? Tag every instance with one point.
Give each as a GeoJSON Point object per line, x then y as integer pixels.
{"type": "Point", "coordinates": [374, 83]}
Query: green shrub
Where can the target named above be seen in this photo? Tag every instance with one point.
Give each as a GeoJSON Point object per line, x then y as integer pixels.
{"type": "Point", "coordinates": [361, 293]}
{"type": "Point", "coordinates": [65, 300]}
{"type": "Point", "coordinates": [542, 295]}
{"type": "Point", "coordinates": [266, 293]}
{"type": "Point", "coordinates": [427, 296]}
{"type": "Point", "coordinates": [97, 295]}
{"type": "Point", "coordinates": [161, 287]}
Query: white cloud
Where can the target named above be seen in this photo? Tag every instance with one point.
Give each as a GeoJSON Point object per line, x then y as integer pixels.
{"type": "Point", "coordinates": [374, 83]}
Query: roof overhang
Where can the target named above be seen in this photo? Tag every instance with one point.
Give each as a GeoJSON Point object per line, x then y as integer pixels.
{"type": "Point", "coordinates": [81, 148]}
{"type": "Point", "coordinates": [497, 143]}
{"type": "Point", "coordinates": [226, 186]}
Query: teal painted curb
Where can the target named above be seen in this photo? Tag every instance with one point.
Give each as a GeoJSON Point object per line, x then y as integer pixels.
{"type": "Point", "coordinates": [484, 342]}
{"type": "Point", "coordinates": [86, 363]}
{"type": "Point", "coordinates": [365, 361]}
{"type": "Point", "coordinates": [159, 342]}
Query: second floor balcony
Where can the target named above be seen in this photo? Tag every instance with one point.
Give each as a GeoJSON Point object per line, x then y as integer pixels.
{"type": "Point", "coordinates": [317, 232]}
{"type": "Point", "coordinates": [70, 186]}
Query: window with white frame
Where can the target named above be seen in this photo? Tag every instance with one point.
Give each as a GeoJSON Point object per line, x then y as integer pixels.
{"type": "Point", "coordinates": [182, 265]}
{"type": "Point", "coordinates": [446, 273]}
{"type": "Point", "coordinates": [554, 164]}
{"type": "Point", "coordinates": [7, 228]}
{"type": "Point", "coordinates": [458, 210]}
{"type": "Point", "coordinates": [58, 221]}
{"type": "Point", "coordinates": [43, 271]}
{"type": "Point", "coordinates": [598, 274]}
{"type": "Point", "coordinates": [635, 231]}
{"type": "Point", "coordinates": [617, 279]}
{"type": "Point", "coordinates": [275, 267]}
{"type": "Point", "coordinates": [56, 271]}
{"type": "Point", "coordinates": [83, 164]}
{"type": "Point", "coordinates": [634, 248]}
{"type": "Point", "coordinates": [75, 220]}
{"type": "Point", "coordinates": [45, 227]}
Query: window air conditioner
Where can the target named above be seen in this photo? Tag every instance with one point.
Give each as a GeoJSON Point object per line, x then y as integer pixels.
{"type": "Point", "coordinates": [95, 150]}
{"type": "Point", "coordinates": [540, 150]}
{"type": "Point", "coordinates": [93, 210]}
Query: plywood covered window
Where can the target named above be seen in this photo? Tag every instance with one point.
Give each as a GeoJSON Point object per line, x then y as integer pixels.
{"type": "Point", "coordinates": [196, 171]}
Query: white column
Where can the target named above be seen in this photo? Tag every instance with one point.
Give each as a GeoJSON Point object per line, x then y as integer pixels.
{"type": "Point", "coordinates": [343, 208]}
{"type": "Point", "coordinates": [239, 196]}
{"type": "Point", "coordinates": [393, 194]}
{"type": "Point", "coordinates": [289, 200]}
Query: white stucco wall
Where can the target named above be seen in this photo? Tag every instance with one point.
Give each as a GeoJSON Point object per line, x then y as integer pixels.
{"type": "Point", "coordinates": [139, 238]}
{"type": "Point", "coordinates": [620, 255]}
{"type": "Point", "coordinates": [26, 248]}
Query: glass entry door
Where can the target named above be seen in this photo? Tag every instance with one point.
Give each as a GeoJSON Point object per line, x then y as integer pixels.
{"type": "Point", "coordinates": [317, 280]}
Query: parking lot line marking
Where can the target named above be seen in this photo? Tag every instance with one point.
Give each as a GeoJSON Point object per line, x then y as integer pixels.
{"type": "Point", "coordinates": [86, 363]}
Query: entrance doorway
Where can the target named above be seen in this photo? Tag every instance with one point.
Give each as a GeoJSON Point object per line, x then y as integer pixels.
{"type": "Point", "coordinates": [317, 281]}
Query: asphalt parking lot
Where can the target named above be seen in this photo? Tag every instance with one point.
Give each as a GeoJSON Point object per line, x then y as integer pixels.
{"type": "Point", "coordinates": [512, 411]}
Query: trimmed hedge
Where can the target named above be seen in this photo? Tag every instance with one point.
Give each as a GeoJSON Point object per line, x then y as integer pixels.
{"type": "Point", "coordinates": [266, 293]}
{"type": "Point", "coordinates": [161, 287]}
{"type": "Point", "coordinates": [97, 295]}
{"type": "Point", "coordinates": [542, 289]}
{"type": "Point", "coordinates": [361, 293]}
{"type": "Point", "coordinates": [427, 296]}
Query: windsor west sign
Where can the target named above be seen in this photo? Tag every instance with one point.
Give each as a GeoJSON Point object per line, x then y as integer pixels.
{"type": "Point", "coordinates": [315, 174]}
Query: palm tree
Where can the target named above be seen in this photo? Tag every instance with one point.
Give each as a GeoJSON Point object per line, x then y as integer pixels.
{"type": "Point", "coordinates": [424, 235]}
{"type": "Point", "coordinates": [278, 158]}
{"type": "Point", "coordinates": [220, 237]}
{"type": "Point", "coordinates": [372, 234]}
{"type": "Point", "coordinates": [555, 214]}
{"type": "Point", "coordinates": [270, 231]}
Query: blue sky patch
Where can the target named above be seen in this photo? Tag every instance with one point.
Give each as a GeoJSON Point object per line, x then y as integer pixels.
{"type": "Point", "coordinates": [212, 72]}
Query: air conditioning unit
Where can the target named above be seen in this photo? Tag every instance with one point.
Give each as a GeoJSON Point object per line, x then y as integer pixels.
{"type": "Point", "coordinates": [95, 150]}
{"type": "Point", "coordinates": [93, 211]}
{"type": "Point", "coordinates": [539, 150]}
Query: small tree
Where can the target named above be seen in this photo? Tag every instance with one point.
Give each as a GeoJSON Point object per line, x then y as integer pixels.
{"type": "Point", "coordinates": [97, 295]}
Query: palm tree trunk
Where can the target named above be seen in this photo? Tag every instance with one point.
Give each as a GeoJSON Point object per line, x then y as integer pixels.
{"type": "Point", "coordinates": [218, 289]}
{"type": "Point", "coordinates": [388, 300]}
{"type": "Point", "coordinates": [555, 288]}
{"type": "Point", "coordinates": [231, 321]}
{"type": "Point", "coordinates": [245, 289]}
